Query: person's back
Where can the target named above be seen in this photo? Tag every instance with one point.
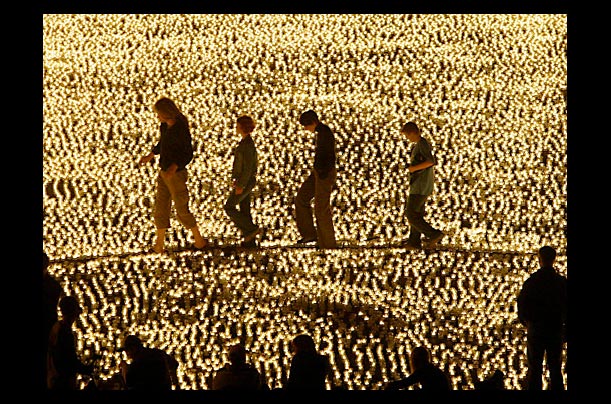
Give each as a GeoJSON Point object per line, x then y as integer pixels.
{"type": "Point", "coordinates": [243, 377]}
{"type": "Point", "coordinates": [238, 375]}
{"type": "Point", "coordinates": [309, 369]}
{"type": "Point", "coordinates": [308, 372]}
{"type": "Point", "coordinates": [148, 371]}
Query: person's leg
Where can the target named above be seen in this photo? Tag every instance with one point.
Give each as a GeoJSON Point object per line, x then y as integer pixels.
{"type": "Point", "coordinates": [534, 356]}
{"type": "Point", "coordinates": [303, 209]}
{"type": "Point", "coordinates": [553, 354]}
{"type": "Point", "coordinates": [163, 204]}
{"type": "Point", "coordinates": [323, 211]}
{"type": "Point", "coordinates": [414, 211]}
{"type": "Point", "coordinates": [242, 217]}
{"type": "Point", "coordinates": [180, 195]}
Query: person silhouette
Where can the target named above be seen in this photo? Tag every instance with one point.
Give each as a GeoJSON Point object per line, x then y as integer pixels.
{"type": "Point", "coordinates": [150, 368]}
{"type": "Point", "coordinates": [423, 373]}
{"type": "Point", "coordinates": [238, 375]}
{"type": "Point", "coordinates": [63, 364]}
{"type": "Point", "coordinates": [52, 292]}
{"type": "Point", "coordinates": [317, 186]}
{"type": "Point", "coordinates": [309, 370]}
{"type": "Point", "coordinates": [176, 151]}
{"type": "Point", "coordinates": [421, 183]}
{"type": "Point", "coordinates": [244, 174]}
{"type": "Point", "coordinates": [542, 308]}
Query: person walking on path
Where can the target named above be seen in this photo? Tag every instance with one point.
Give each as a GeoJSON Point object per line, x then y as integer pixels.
{"type": "Point", "coordinates": [542, 308]}
{"type": "Point", "coordinates": [176, 151]}
{"type": "Point", "coordinates": [317, 186]}
{"type": "Point", "coordinates": [244, 175]}
{"type": "Point", "coordinates": [421, 183]}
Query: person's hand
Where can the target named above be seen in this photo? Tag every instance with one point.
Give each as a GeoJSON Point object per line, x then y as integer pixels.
{"type": "Point", "coordinates": [238, 189]}
{"type": "Point", "coordinates": [391, 386]}
{"type": "Point", "coordinates": [146, 158]}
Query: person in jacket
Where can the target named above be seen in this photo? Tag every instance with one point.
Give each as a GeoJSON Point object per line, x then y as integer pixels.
{"type": "Point", "coordinates": [238, 375]}
{"type": "Point", "coordinates": [309, 370]}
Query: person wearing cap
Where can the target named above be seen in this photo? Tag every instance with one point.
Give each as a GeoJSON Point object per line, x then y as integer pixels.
{"type": "Point", "coordinates": [237, 375]}
{"type": "Point", "coordinates": [317, 186]}
{"type": "Point", "coordinates": [63, 364]}
{"type": "Point", "coordinates": [149, 368]}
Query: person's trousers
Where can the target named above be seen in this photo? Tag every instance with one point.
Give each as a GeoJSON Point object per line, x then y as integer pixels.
{"type": "Point", "coordinates": [320, 190]}
{"type": "Point", "coordinates": [174, 190]}
{"type": "Point", "coordinates": [414, 211]}
{"type": "Point", "coordinates": [241, 217]}
{"type": "Point", "coordinates": [537, 347]}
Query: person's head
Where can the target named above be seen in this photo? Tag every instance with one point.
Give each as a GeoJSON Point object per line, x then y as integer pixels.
{"type": "Point", "coordinates": [303, 343]}
{"type": "Point", "coordinates": [245, 125]}
{"type": "Point", "coordinates": [70, 308]}
{"type": "Point", "coordinates": [167, 110]}
{"type": "Point", "coordinates": [547, 256]}
{"type": "Point", "coordinates": [309, 120]}
{"type": "Point", "coordinates": [411, 131]}
{"type": "Point", "coordinates": [131, 345]}
{"type": "Point", "coordinates": [237, 354]}
{"type": "Point", "coordinates": [419, 357]}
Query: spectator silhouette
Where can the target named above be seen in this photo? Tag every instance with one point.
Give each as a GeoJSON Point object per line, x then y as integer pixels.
{"type": "Point", "coordinates": [63, 363]}
{"type": "Point", "coordinates": [423, 372]}
{"type": "Point", "coordinates": [309, 369]}
{"type": "Point", "coordinates": [237, 375]}
{"type": "Point", "coordinates": [150, 368]}
{"type": "Point", "coordinates": [542, 308]}
{"type": "Point", "coordinates": [493, 382]}
{"type": "Point", "coordinates": [52, 291]}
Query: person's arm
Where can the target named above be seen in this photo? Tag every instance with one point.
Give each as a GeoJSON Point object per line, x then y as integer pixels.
{"type": "Point", "coordinates": [421, 166]}
{"type": "Point", "coordinates": [523, 304]}
{"type": "Point", "coordinates": [402, 383]}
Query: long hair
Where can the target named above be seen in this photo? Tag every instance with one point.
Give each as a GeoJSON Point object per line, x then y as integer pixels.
{"type": "Point", "coordinates": [170, 110]}
{"type": "Point", "coordinates": [304, 343]}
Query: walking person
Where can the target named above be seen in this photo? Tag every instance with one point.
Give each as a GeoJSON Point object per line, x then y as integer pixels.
{"type": "Point", "coordinates": [542, 308]}
{"type": "Point", "coordinates": [244, 175]}
{"type": "Point", "coordinates": [176, 151]}
{"type": "Point", "coordinates": [421, 183]}
{"type": "Point", "coordinates": [317, 186]}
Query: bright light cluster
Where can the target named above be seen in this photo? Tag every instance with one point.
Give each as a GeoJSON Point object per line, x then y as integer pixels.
{"type": "Point", "coordinates": [489, 92]}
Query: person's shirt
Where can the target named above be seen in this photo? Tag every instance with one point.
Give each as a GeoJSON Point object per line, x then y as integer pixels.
{"type": "Point", "coordinates": [242, 377]}
{"type": "Point", "coordinates": [149, 371]}
{"type": "Point", "coordinates": [421, 182]}
{"type": "Point", "coordinates": [542, 301]}
{"type": "Point", "coordinates": [324, 153]}
{"type": "Point", "coordinates": [63, 363]}
{"type": "Point", "coordinates": [174, 145]}
{"type": "Point", "coordinates": [245, 162]}
{"type": "Point", "coordinates": [429, 377]}
{"type": "Point", "coordinates": [308, 371]}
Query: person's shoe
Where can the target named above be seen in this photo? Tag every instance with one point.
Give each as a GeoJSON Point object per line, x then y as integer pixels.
{"type": "Point", "coordinates": [206, 245]}
{"type": "Point", "coordinates": [249, 244]}
{"type": "Point", "coordinates": [251, 236]}
{"type": "Point", "coordinates": [410, 246]}
{"type": "Point", "coordinates": [306, 240]}
{"type": "Point", "coordinates": [433, 240]}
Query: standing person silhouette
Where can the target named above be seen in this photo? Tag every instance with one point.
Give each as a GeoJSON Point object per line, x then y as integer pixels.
{"type": "Point", "coordinates": [317, 186]}
{"type": "Point", "coordinates": [542, 308]}
{"type": "Point", "coordinates": [176, 151]}
{"type": "Point", "coordinates": [63, 364]}
{"type": "Point", "coordinates": [423, 373]}
{"type": "Point", "coordinates": [421, 182]}
{"type": "Point", "coordinates": [309, 369]}
{"type": "Point", "coordinates": [150, 369]}
{"type": "Point", "coordinates": [52, 292]}
{"type": "Point", "coordinates": [244, 175]}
